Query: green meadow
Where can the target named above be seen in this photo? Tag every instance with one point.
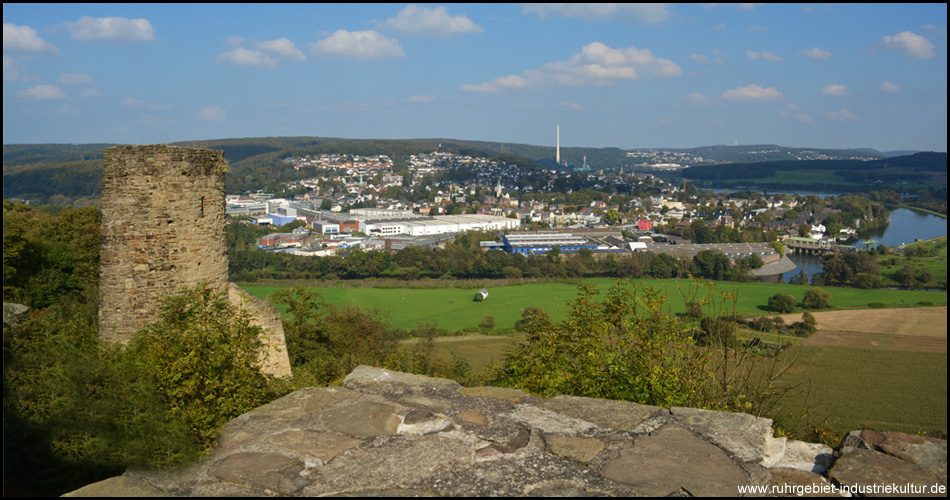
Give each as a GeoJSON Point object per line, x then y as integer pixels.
{"type": "Point", "coordinates": [841, 388]}
{"type": "Point", "coordinates": [454, 309]}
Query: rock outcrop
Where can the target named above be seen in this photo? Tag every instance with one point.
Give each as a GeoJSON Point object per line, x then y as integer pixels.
{"type": "Point", "coordinates": [396, 434]}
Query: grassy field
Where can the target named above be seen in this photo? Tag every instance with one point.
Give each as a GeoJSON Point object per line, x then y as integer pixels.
{"type": "Point", "coordinates": [879, 389]}
{"type": "Point", "coordinates": [937, 263]}
{"type": "Point", "coordinates": [454, 309]}
{"type": "Point", "coordinates": [864, 379]}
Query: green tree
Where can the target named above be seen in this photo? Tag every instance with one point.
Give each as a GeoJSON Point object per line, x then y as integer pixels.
{"type": "Point", "coordinates": [625, 347]}
{"type": "Point", "coordinates": [816, 298]}
{"type": "Point", "coordinates": [612, 217]}
{"type": "Point", "coordinates": [326, 341]}
{"type": "Point", "coordinates": [204, 356]}
{"type": "Point", "coordinates": [782, 303]}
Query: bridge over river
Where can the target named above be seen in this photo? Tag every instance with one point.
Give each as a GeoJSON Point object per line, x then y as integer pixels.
{"type": "Point", "coordinates": [815, 246]}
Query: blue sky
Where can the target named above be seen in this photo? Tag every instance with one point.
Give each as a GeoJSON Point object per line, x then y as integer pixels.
{"type": "Point", "coordinates": [611, 75]}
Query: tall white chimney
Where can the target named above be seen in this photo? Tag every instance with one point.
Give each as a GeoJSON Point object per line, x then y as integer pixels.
{"type": "Point", "coordinates": [558, 157]}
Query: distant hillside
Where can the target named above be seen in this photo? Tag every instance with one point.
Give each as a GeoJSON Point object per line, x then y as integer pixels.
{"type": "Point", "coordinates": [39, 172]}
{"type": "Point", "coordinates": [903, 172]}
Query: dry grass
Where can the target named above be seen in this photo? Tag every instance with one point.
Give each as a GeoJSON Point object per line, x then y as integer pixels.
{"type": "Point", "coordinates": [914, 329]}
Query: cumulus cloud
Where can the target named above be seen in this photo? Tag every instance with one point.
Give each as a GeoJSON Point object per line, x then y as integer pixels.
{"type": "Point", "coordinates": [695, 99]}
{"type": "Point", "coordinates": [89, 93]}
{"type": "Point", "coordinates": [816, 54]}
{"type": "Point", "coordinates": [596, 64]}
{"type": "Point", "coordinates": [243, 57]}
{"type": "Point", "coordinates": [912, 45]}
{"type": "Point", "coordinates": [24, 39]}
{"type": "Point", "coordinates": [358, 45]}
{"type": "Point", "coordinates": [13, 69]}
{"type": "Point", "coordinates": [644, 13]}
{"type": "Point", "coordinates": [284, 48]}
{"type": "Point", "coordinates": [844, 114]}
{"type": "Point", "coordinates": [131, 103]}
{"type": "Point", "coordinates": [75, 79]}
{"type": "Point", "coordinates": [753, 93]}
{"type": "Point", "coordinates": [764, 56]}
{"type": "Point", "coordinates": [890, 87]}
{"type": "Point", "coordinates": [835, 89]}
{"type": "Point", "coordinates": [111, 29]}
{"type": "Point", "coordinates": [44, 93]}
{"type": "Point", "coordinates": [436, 23]}
{"type": "Point", "coordinates": [420, 98]}
{"type": "Point", "coordinates": [701, 59]}
{"type": "Point", "coordinates": [804, 118]}
{"type": "Point", "coordinates": [212, 114]}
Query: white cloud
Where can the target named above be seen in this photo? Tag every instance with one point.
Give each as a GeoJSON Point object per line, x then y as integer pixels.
{"type": "Point", "coordinates": [753, 93]}
{"type": "Point", "coordinates": [695, 99]}
{"type": "Point", "coordinates": [573, 106]}
{"type": "Point", "coordinates": [719, 27]}
{"type": "Point", "coordinates": [13, 69]}
{"type": "Point", "coordinates": [911, 44]}
{"type": "Point", "coordinates": [645, 13]}
{"type": "Point", "coordinates": [111, 29]}
{"type": "Point", "coordinates": [243, 57]}
{"type": "Point", "coordinates": [596, 64]}
{"type": "Point", "coordinates": [212, 114]}
{"type": "Point", "coordinates": [234, 41]}
{"type": "Point", "coordinates": [764, 55]}
{"type": "Point", "coordinates": [24, 39]}
{"type": "Point", "coordinates": [75, 79]}
{"type": "Point", "coordinates": [89, 93]}
{"type": "Point", "coordinates": [44, 93]}
{"type": "Point", "coordinates": [436, 23]}
{"type": "Point", "coordinates": [890, 87]}
{"type": "Point", "coordinates": [835, 89]}
{"type": "Point", "coordinates": [804, 118]}
{"type": "Point", "coordinates": [284, 48]}
{"type": "Point", "coordinates": [420, 98]}
{"type": "Point", "coordinates": [131, 103]}
{"type": "Point", "coordinates": [358, 45]}
{"type": "Point", "coordinates": [815, 53]}
{"type": "Point", "coordinates": [844, 114]}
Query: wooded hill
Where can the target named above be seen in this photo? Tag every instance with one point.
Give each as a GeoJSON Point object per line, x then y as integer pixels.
{"type": "Point", "coordinates": [72, 173]}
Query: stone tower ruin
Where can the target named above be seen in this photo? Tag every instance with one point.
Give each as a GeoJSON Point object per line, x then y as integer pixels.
{"type": "Point", "coordinates": [163, 228]}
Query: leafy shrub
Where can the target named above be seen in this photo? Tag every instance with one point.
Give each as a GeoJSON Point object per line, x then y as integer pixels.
{"type": "Point", "coordinates": [816, 298]}
{"type": "Point", "coordinates": [877, 305]}
{"type": "Point", "coordinates": [203, 356]}
{"type": "Point", "coordinates": [782, 303]}
{"type": "Point", "coordinates": [488, 322]}
{"type": "Point", "coordinates": [807, 326]}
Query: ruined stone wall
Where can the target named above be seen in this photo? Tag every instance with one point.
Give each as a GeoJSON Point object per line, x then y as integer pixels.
{"type": "Point", "coordinates": [274, 358]}
{"type": "Point", "coordinates": [387, 433]}
{"type": "Point", "coordinates": [163, 216]}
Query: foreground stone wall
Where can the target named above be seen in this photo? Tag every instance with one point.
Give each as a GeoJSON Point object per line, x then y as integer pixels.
{"type": "Point", "coordinates": [386, 433]}
{"type": "Point", "coordinates": [274, 358]}
{"type": "Point", "coordinates": [163, 227]}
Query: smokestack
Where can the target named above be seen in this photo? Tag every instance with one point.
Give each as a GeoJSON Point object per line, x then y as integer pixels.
{"type": "Point", "coordinates": [558, 158]}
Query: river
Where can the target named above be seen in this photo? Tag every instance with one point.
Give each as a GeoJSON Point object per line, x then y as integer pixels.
{"type": "Point", "coordinates": [905, 227]}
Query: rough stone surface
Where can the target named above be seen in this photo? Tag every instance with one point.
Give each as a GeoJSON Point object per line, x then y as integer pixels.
{"type": "Point", "coordinates": [394, 434]}
{"type": "Point", "coordinates": [929, 453]}
{"type": "Point", "coordinates": [673, 460]}
{"type": "Point", "coordinates": [809, 457]}
{"type": "Point", "coordinates": [12, 313]}
{"type": "Point", "coordinates": [788, 482]}
{"type": "Point", "coordinates": [747, 437]}
{"type": "Point", "coordinates": [867, 468]}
